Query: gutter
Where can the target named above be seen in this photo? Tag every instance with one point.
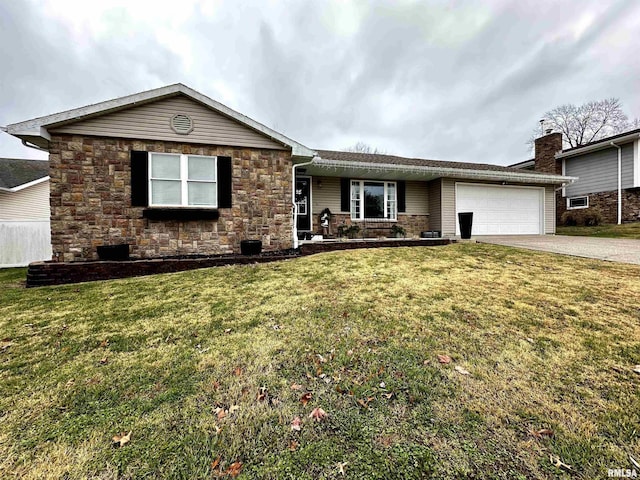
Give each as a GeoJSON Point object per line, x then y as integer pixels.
{"type": "Point", "coordinates": [449, 172]}
{"type": "Point", "coordinates": [35, 147]}
{"type": "Point", "coordinates": [293, 199]}
{"type": "Point", "coordinates": [24, 185]}
{"type": "Point", "coordinates": [598, 146]}
{"type": "Point", "coordinates": [619, 181]}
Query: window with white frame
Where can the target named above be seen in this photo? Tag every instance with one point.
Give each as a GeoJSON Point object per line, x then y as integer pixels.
{"type": "Point", "coordinates": [372, 199]}
{"type": "Point", "coordinates": [577, 202]}
{"type": "Point", "coordinates": [182, 181]}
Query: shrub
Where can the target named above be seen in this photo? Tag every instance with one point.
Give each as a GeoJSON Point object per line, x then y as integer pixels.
{"type": "Point", "coordinates": [587, 217]}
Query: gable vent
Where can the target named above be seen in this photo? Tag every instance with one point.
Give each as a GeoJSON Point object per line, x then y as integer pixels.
{"type": "Point", "coordinates": [182, 124]}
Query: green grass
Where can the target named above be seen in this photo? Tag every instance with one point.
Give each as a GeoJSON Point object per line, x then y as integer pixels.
{"type": "Point", "coordinates": [549, 341]}
{"type": "Point", "coordinates": [625, 230]}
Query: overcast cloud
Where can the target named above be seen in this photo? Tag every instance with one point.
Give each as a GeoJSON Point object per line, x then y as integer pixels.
{"type": "Point", "coordinates": [451, 80]}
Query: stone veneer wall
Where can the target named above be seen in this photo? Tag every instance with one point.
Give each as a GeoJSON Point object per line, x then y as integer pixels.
{"type": "Point", "coordinates": [413, 224]}
{"type": "Point", "coordinates": [607, 203]}
{"type": "Point", "coordinates": [91, 201]}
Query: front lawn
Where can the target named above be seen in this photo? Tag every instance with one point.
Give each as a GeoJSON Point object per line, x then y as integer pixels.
{"type": "Point", "coordinates": [625, 230]}
{"type": "Point", "coordinates": [209, 369]}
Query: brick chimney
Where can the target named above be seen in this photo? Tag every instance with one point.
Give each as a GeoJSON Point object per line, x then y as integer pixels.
{"type": "Point", "coordinates": [546, 148]}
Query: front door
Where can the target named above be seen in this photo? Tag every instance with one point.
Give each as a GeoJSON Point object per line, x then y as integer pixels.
{"type": "Point", "coordinates": [303, 203]}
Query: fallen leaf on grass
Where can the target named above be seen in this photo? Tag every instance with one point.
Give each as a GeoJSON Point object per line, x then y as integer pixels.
{"type": "Point", "coordinates": [555, 460]}
{"type": "Point", "coordinates": [444, 359]}
{"type": "Point", "coordinates": [544, 432]}
{"type": "Point", "coordinates": [388, 395]}
{"type": "Point", "coordinates": [461, 370]}
{"type": "Point", "coordinates": [318, 414]}
{"type": "Point", "coordinates": [262, 394]}
{"type": "Point", "coordinates": [341, 468]}
{"type": "Point", "coordinates": [237, 371]}
{"type": "Point", "coordinates": [296, 386]}
{"type": "Point", "coordinates": [220, 413]}
{"type": "Point", "coordinates": [122, 439]}
{"type": "Point", "coordinates": [296, 424]}
{"type": "Point", "coordinates": [293, 445]}
{"type": "Point", "coordinates": [104, 343]}
{"type": "Point", "coordinates": [304, 399]}
{"type": "Point", "coordinates": [215, 463]}
{"type": "Point", "coordinates": [227, 330]}
{"type": "Point", "coordinates": [104, 361]}
{"type": "Point", "coordinates": [234, 469]}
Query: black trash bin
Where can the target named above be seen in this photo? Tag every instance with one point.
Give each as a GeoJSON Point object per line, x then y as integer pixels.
{"type": "Point", "coordinates": [466, 222]}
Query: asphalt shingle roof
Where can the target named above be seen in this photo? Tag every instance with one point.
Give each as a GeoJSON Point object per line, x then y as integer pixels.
{"type": "Point", "coordinates": [394, 160]}
{"type": "Point", "coordinates": [16, 171]}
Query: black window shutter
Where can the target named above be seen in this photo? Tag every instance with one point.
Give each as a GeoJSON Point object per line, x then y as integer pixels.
{"type": "Point", "coordinates": [345, 195]}
{"type": "Point", "coordinates": [402, 189]}
{"type": "Point", "coordinates": [225, 182]}
{"type": "Point", "coordinates": [139, 179]}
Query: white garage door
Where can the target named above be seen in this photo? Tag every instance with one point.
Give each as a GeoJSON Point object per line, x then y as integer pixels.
{"type": "Point", "coordinates": [501, 210]}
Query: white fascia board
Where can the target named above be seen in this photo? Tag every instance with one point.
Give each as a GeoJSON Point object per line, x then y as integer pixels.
{"type": "Point", "coordinates": [24, 185]}
{"type": "Point", "coordinates": [598, 146]}
{"type": "Point", "coordinates": [38, 126]}
{"type": "Point", "coordinates": [450, 172]}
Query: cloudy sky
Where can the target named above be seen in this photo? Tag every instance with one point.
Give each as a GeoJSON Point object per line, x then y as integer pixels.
{"type": "Point", "coordinates": [451, 80]}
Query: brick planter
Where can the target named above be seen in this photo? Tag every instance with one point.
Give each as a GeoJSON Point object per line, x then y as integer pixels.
{"type": "Point", "coordinates": [312, 248]}
{"type": "Point", "coordinates": [40, 274]}
{"type": "Point", "coordinates": [58, 273]}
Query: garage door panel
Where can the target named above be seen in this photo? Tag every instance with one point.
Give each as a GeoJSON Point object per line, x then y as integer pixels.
{"type": "Point", "coordinates": [501, 210]}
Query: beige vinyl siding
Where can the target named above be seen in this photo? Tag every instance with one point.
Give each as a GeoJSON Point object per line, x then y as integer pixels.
{"type": "Point", "coordinates": [448, 199]}
{"type": "Point", "coordinates": [549, 209]}
{"type": "Point", "coordinates": [31, 203]}
{"type": "Point", "coordinates": [435, 205]}
{"type": "Point", "coordinates": [325, 196]}
{"type": "Point", "coordinates": [417, 198]}
{"type": "Point", "coordinates": [328, 196]}
{"type": "Point", "coordinates": [152, 121]}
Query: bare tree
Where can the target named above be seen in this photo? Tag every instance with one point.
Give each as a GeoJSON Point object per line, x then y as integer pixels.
{"type": "Point", "coordinates": [361, 147]}
{"type": "Point", "coordinates": [585, 123]}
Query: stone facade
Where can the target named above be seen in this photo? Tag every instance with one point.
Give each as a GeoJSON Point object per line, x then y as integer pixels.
{"type": "Point", "coordinates": [91, 201]}
{"type": "Point", "coordinates": [413, 225]}
{"type": "Point", "coordinates": [607, 204]}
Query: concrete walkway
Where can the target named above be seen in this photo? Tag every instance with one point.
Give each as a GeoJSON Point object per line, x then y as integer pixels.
{"type": "Point", "coordinates": [622, 250]}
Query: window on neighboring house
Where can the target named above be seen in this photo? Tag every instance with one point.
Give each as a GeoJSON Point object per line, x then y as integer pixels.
{"type": "Point", "coordinates": [182, 181]}
{"type": "Point", "coordinates": [372, 200]}
{"type": "Point", "coordinates": [577, 202]}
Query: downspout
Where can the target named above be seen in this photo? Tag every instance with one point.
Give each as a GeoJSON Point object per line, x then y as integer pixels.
{"type": "Point", "coordinates": [619, 182]}
{"type": "Point", "coordinates": [293, 200]}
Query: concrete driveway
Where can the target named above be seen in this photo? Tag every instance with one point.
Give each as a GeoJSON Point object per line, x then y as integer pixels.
{"type": "Point", "coordinates": [621, 250]}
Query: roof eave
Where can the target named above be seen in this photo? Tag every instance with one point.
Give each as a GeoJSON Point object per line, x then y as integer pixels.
{"type": "Point", "coordinates": [450, 172]}
{"type": "Point", "coordinates": [598, 146]}
{"type": "Point", "coordinates": [17, 188]}
{"type": "Point", "coordinates": [38, 127]}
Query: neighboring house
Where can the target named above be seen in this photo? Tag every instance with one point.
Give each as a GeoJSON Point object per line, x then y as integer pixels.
{"type": "Point", "coordinates": [24, 212]}
{"type": "Point", "coordinates": [171, 171]}
{"type": "Point", "coordinates": [607, 171]}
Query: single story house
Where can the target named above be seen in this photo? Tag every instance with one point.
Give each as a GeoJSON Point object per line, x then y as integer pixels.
{"type": "Point", "coordinates": [170, 171]}
{"type": "Point", "coordinates": [24, 212]}
{"type": "Point", "coordinates": [607, 174]}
